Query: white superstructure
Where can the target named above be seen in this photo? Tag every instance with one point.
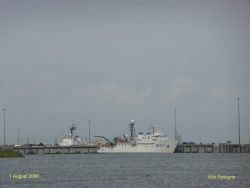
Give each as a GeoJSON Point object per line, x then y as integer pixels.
{"type": "Point", "coordinates": [153, 142]}
{"type": "Point", "coordinates": [71, 139]}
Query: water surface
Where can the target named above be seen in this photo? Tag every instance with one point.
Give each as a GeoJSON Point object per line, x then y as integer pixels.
{"type": "Point", "coordinates": [127, 170]}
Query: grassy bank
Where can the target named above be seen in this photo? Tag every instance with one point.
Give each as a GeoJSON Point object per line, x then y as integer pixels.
{"type": "Point", "coordinates": [9, 153]}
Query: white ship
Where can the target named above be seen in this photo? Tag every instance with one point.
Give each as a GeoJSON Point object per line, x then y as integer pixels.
{"type": "Point", "coordinates": [153, 142]}
{"type": "Point", "coordinates": [71, 139]}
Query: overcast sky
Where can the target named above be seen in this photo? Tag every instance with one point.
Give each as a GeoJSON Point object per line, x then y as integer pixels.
{"type": "Point", "coordinates": [113, 61]}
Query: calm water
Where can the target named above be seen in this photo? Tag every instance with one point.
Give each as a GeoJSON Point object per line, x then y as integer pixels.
{"type": "Point", "coordinates": [127, 170]}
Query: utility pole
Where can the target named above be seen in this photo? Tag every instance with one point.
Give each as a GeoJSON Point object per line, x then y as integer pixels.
{"type": "Point", "coordinates": [175, 133]}
{"type": "Point", "coordinates": [4, 126]}
{"type": "Point", "coordinates": [89, 131]}
{"type": "Point", "coordinates": [239, 117]}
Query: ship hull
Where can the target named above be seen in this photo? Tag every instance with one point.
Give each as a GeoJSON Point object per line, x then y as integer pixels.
{"type": "Point", "coordinates": [168, 147]}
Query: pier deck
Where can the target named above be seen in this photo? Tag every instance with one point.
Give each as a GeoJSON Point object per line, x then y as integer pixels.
{"type": "Point", "coordinates": [212, 148]}
{"type": "Point", "coordinates": [40, 150]}
{"type": "Point", "coordinates": [181, 148]}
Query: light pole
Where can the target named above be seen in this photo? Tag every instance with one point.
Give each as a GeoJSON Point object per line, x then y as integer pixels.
{"type": "Point", "coordinates": [89, 131]}
{"type": "Point", "coordinates": [175, 134]}
{"type": "Point", "coordinates": [4, 126]}
{"type": "Point", "coordinates": [239, 117]}
{"type": "Point", "coordinates": [18, 131]}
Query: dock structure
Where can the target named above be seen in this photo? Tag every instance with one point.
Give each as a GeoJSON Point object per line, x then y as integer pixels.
{"type": "Point", "coordinates": [194, 148]}
{"type": "Point", "coordinates": [40, 150]}
{"type": "Point", "coordinates": [213, 148]}
{"type": "Point", "coordinates": [181, 148]}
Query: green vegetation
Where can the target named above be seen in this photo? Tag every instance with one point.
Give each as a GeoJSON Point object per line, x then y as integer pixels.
{"type": "Point", "coordinates": [9, 153]}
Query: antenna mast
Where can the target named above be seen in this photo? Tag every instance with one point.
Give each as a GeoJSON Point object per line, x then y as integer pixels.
{"type": "Point", "coordinates": [72, 129]}
{"type": "Point", "coordinates": [132, 129]}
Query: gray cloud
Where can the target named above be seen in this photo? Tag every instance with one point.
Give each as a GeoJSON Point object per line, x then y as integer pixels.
{"type": "Point", "coordinates": [111, 61]}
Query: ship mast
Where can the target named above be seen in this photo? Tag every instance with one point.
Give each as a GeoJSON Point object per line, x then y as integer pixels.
{"type": "Point", "coordinates": [132, 130]}
{"type": "Point", "coordinates": [72, 129]}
